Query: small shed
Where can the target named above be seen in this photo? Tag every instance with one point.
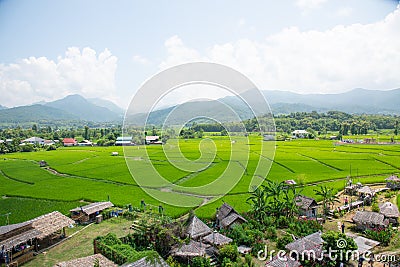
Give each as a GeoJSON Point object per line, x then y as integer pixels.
{"type": "Point", "coordinates": [88, 261]}
{"type": "Point", "coordinates": [196, 228]}
{"type": "Point", "coordinates": [85, 143]}
{"type": "Point", "coordinates": [124, 141]}
{"type": "Point", "coordinates": [88, 213]}
{"type": "Point", "coordinates": [227, 217]}
{"type": "Point", "coordinates": [393, 182]}
{"type": "Point", "coordinates": [390, 211]}
{"type": "Point", "coordinates": [42, 163]}
{"type": "Point", "coordinates": [217, 239]}
{"type": "Point", "coordinates": [299, 134]}
{"type": "Point", "coordinates": [307, 206]}
{"type": "Point", "coordinates": [369, 220]}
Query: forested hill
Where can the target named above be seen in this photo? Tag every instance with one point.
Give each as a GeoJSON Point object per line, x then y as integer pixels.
{"type": "Point", "coordinates": [336, 121]}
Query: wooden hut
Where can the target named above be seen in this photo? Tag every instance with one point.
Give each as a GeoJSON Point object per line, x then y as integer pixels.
{"type": "Point", "coordinates": [310, 246]}
{"type": "Point", "coordinates": [393, 182]}
{"type": "Point", "coordinates": [217, 239]}
{"type": "Point", "coordinates": [196, 228]}
{"type": "Point", "coordinates": [369, 220]}
{"type": "Point", "coordinates": [390, 211]}
{"type": "Point", "coordinates": [307, 206]}
{"type": "Point", "coordinates": [88, 261]}
{"type": "Point", "coordinates": [88, 213]}
{"type": "Point", "coordinates": [227, 217]}
{"type": "Point", "coordinates": [20, 241]}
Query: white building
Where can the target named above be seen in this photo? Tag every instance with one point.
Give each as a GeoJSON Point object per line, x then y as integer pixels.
{"type": "Point", "coordinates": [299, 134]}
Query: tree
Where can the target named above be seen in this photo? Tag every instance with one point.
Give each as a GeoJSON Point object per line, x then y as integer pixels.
{"type": "Point", "coordinates": [86, 134]}
{"type": "Point", "coordinates": [328, 197]}
{"type": "Point", "coordinates": [257, 201]}
{"type": "Point", "coordinates": [338, 246]}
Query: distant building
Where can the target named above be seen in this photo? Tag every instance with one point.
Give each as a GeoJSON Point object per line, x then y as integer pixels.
{"type": "Point", "coordinates": [124, 141]}
{"type": "Point", "coordinates": [85, 143]}
{"type": "Point", "coordinates": [268, 137]}
{"type": "Point", "coordinates": [33, 140]}
{"type": "Point", "coordinates": [49, 142]}
{"type": "Point", "coordinates": [299, 134]}
{"type": "Point", "coordinates": [153, 140]}
{"type": "Point", "coordinates": [69, 142]}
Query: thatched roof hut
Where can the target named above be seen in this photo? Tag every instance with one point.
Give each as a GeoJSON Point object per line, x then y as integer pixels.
{"type": "Point", "coordinates": [228, 216]}
{"type": "Point", "coordinates": [369, 219]}
{"type": "Point", "coordinates": [38, 228]}
{"type": "Point", "coordinates": [389, 210]}
{"type": "Point", "coordinates": [217, 239]}
{"type": "Point", "coordinates": [144, 262]}
{"type": "Point", "coordinates": [93, 207]}
{"type": "Point", "coordinates": [307, 206]}
{"type": "Point", "coordinates": [88, 213]}
{"type": "Point", "coordinates": [193, 249]}
{"type": "Point", "coordinates": [282, 262]}
{"type": "Point", "coordinates": [196, 228]}
{"type": "Point", "coordinates": [309, 245]}
{"type": "Point", "coordinates": [87, 262]}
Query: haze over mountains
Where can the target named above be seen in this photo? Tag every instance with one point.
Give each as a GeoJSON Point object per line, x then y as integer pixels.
{"type": "Point", "coordinates": [76, 107]}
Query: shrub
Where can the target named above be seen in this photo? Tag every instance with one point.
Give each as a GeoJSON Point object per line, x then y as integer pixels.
{"type": "Point", "coordinates": [283, 241]}
{"type": "Point", "coordinates": [381, 235]}
{"type": "Point", "coordinates": [271, 233]}
{"type": "Point", "coordinates": [230, 252]}
{"type": "Point", "coordinates": [375, 207]}
{"type": "Point", "coordinates": [200, 262]}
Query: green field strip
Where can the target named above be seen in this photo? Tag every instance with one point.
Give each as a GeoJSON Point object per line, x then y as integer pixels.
{"type": "Point", "coordinates": [321, 162]}
{"type": "Point", "coordinates": [387, 163]}
{"type": "Point", "coordinates": [192, 175]}
{"type": "Point", "coordinates": [15, 179]}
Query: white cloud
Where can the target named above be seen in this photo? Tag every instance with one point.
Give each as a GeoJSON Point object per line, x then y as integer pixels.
{"type": "Point", "coordinates": [141, 60]}
{"type": "Point", "coordinates": [241, 22]}
{"type": "Point", "coordinates": [306, 5]}
{"type": "Point", "coordinates": [344, 12]}
{"type": "Point", "coordinates": [336, 60]}
{"type": "Point", "coordinates": [35, 79]}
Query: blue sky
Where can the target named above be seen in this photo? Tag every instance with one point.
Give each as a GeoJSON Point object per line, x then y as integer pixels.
{"type": "Point", "coordinates": [50, 49]}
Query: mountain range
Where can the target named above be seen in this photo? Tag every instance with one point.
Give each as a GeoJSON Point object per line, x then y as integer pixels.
{"type": "Point", "coordinates": [78, 108]}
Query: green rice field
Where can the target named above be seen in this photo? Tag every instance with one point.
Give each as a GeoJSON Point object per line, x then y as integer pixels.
{"type": "Point", "coordinates": [93, 174]}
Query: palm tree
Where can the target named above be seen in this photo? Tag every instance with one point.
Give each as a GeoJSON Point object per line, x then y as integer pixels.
{"type": "Point", "coordinates": [274, 190]}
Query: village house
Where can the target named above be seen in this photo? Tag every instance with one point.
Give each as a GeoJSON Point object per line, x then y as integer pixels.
{"type": "Point", "coordinates": [69, 142]}
{"type": "Point", "coordinates": [33, 141]}
{"type": "Point", "coordinates": [299, 134]}
{"type": "Point", "coordinates": [20, 241]}
{"type": "Point", "coordinates": [310, 246]}
{"type": "Point", "coordinates": [124, 141]}
{"type": "Point", "coordinates": [217, 239]}
{"type": "Point", "coordinates": [153, 140]}
{"type": "Point", "coordinates": [393, 182]}
{"type": "Point", "coordinates": [369, 220]}
{"type": "Point", "coordinates": [85, 143]}
{"type": "Point", "coordinates": [390, 211]}
{"type": "Point", "coordinates": [89, 212]}
{"type": "Point", "coordinates": [189, 251]}
{"type": "Point", "coordinates": [196, 228]}
{"type": "Point", "coordinates": [307, 206]}
{"type": "Point", "coordinates": [282, 262]}
{"type": "Point", "coordinates": [49, 142]}
{"type": "Point", "coordinates": [227, 217]}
